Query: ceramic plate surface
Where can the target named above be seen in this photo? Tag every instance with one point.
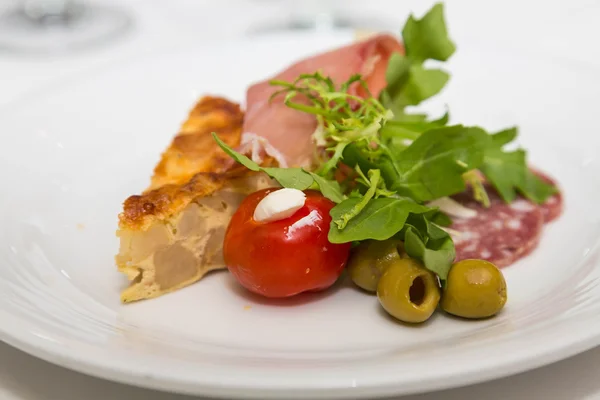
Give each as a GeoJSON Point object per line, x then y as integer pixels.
{"type": "Point", "coordinates": [73, 153]}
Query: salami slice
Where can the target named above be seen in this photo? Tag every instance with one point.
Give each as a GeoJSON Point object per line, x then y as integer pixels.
{"type": "Point", "coordinates": [552, 208]}
{"type": "Point", "coordinates": [501, 234]}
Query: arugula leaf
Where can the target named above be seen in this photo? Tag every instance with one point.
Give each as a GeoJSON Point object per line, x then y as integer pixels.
{"type": "Point", "coordinates": [430, 244]}
{"type": "Point", "coordinates": [295, 178]}
{"type": "Point", "coordinates": [441, 219]}
{"type": "Point", "coordinates": [505, 170]}
{"type": "Point", "coordinates": [397, 71]}
{"type": "Point", "coordinates": [420, 85]}
{"type": "Point", "coordinates": [359, 154]}
{"type": "Point", "coordinates": [508, 171]}
{"type": "Point", "coordinates": [407, 129]}
{"type": "Point", "coordinates": [240, 158]}
{"type": "Point", "coordinates": [432, 166]}
{"type": "Point", "coordinates": [375, 188]}
{"type": "Point", "coordinates": [396, 76]}
{"type": "Point", "coordinates": [380, 218]}
{"type": "Point", "coordinates": [409, 83]}
{"type": "Point", "coordinates": [373, 182]}
{"type": "Point", "coordinates": [427, 38]}
{"type": "Point", "coordinates": [330, 189]}
{"type": "Point", "coordinates": [535, 189]}
{"type": "Point", "coordinates": [438, 260]}
{"type": "Point", "coordinates": [441, 121]}
{"type": "Point", "coordinates": [434, 235]}
{"type": "Point", "coordinates": [411, 86]}
{"type": "Point", "coordinates": [504, 137]}
{"type": "Point", "coordinates": [413, 117]}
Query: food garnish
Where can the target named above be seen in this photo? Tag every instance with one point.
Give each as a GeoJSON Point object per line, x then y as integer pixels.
{"type": "Point", "coordinates": [279, 204]}
{"type": "Point", "coordinates": [284, 257]}
{"type": "Point", "coordinates": [392, 172]}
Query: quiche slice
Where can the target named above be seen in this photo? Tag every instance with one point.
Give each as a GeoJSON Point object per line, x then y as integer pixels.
{"type": "Point", "coordinates": [172, 234]}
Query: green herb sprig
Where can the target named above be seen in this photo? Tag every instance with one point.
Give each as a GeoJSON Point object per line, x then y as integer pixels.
{"type": "Point", "coordinates": [342, 116]}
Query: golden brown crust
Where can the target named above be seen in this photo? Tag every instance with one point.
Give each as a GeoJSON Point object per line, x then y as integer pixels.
{"type": "Point", "coordinates": [172, 234]}
{"type": "Point", "coordinates": [140, 210]}
{"type": "Point", "coordinates": [194, 150]}
{"type": "Point", "coordinates": [193, 165]}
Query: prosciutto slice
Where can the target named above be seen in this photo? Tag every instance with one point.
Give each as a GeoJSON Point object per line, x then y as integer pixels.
{"type": "Point", "coordinates": [290, 130]}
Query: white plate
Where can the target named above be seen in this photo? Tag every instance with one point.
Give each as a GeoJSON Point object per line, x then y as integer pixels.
{"type": "Point", "coordinates": [71, 155]}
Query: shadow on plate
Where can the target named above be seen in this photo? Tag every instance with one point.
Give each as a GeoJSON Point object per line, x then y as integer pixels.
{"type": "Point", "coordinates": [388, 317]}
{"type": "Point", "coordinates": [300, 299]}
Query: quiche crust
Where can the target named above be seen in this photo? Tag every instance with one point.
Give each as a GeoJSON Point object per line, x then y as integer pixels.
{"type": "Point", "coordinates": [171, 235]}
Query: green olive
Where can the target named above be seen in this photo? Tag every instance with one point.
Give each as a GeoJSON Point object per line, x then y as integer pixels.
{"type": "Point", "coordinates": [369, 259]}
{"type": "Point", "coordinates": [408, 291]}
{"type": "Point", "coordinates": [474, 289]}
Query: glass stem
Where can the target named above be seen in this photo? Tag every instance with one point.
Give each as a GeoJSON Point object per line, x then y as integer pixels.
{"type": "Point", "coordinates": [48, 11]}
{"type": "Point", "coordinates": [315, 14]}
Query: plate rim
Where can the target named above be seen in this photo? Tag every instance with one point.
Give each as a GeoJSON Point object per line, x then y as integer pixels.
{"type": "Point", "coordinates": [51, 352]}
{"type": "Point", "coordinates": [133, 373]}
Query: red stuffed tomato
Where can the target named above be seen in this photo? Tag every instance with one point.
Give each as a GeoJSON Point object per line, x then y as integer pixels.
{"type": "Point", "coordinates": [284, 257]}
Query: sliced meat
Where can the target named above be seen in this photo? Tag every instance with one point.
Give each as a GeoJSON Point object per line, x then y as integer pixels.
{"type": "Point", "coordinates": [501, 234]}
{"type": "Point", "coordinates": [553, 207]}
{"type": "Point", "coordinates": [290, 130]}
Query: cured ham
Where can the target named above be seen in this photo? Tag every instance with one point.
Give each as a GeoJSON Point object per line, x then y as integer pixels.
{"type": "Point", "coordinates": [289, 130]}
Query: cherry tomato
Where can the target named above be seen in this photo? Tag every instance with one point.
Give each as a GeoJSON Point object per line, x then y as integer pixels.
{"type": "Point", "coordinates": [285, 257]}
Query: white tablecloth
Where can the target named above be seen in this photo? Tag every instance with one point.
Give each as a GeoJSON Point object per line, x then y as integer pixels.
{"type": "Point", "coordinates": [565, 29]}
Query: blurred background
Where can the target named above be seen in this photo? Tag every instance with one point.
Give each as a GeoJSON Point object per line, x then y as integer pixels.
{"type": "Point", "coordinates": [42, 40]}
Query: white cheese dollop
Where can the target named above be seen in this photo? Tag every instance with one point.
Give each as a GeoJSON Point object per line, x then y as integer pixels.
{"type": "Point", "coordinates": [280, 204]}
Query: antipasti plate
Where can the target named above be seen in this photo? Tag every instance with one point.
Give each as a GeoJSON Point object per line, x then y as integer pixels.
{"type": "Point", "coordinates": [72, 154]}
